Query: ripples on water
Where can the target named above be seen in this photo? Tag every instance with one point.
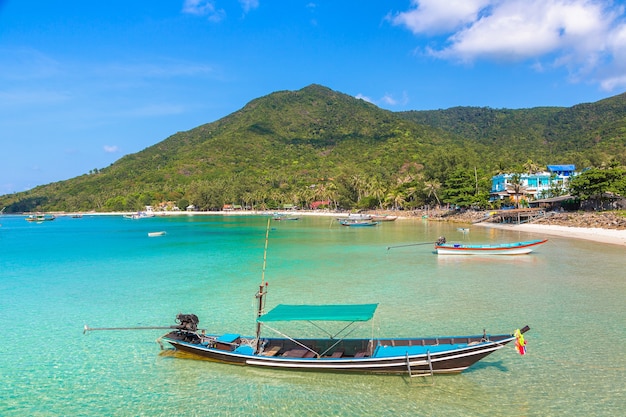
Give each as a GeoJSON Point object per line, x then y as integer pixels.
{"type": "Point", "coordinates": [106, 271]}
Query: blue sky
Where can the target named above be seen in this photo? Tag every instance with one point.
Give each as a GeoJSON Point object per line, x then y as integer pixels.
{"type": "Point", "coordinates": [83, 83]}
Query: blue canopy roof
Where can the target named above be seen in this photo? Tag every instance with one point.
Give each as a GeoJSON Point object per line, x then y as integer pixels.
{"type": "Point", "coordinates": [561, 168]}
{"type": "Point", "coordinates": [333, 312]}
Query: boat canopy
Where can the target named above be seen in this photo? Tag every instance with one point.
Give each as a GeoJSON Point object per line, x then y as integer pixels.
{"type": "Point", "coordinates": [332, 312]}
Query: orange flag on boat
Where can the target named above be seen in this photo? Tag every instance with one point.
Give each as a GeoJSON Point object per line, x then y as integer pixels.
{"type": "Point", "coordinates": [520, 343]}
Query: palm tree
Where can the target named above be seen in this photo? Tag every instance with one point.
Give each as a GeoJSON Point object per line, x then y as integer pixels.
{"type": "Point", "coordinates": [360, 185]}
{"type": "Point", "coordinates": [306, 196]}
{"type": "Point", "coordinates": [531, 167]}
{"type": "Point", "coordinates": [376, 189]}
{"type": "Point", "coordinates": [516, 188]}
{"type": "Point", "coordinates": [396, 198]}
{"type": "Point", "coordinates": [432, 187]}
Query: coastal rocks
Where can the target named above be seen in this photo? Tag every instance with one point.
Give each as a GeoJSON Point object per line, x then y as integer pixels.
{"type": "Point", "coordinates": [602, 220]}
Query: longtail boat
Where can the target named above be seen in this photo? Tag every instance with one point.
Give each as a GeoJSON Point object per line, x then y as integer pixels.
{"type": "Point", "coordinates": [38, 218]}
{"type": "Point", "coordinates": [515, 248]}
{"type": "Point", "coordinates": [413, 356]}
{"type": "Point", "coordinates": [358, 223]}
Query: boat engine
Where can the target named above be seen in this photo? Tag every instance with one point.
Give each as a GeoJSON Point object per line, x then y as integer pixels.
{"type": "Point", "coordinates": [441, 240]}
{"type": "Point", "coordinates": [187, 322]}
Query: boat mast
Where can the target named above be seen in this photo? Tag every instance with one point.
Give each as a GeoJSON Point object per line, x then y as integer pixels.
{"type": "Point", "coordinates": [262, 288]}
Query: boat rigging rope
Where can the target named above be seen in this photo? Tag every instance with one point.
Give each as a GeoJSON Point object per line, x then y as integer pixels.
{"type": "Point", "coordinates": [267, 235]}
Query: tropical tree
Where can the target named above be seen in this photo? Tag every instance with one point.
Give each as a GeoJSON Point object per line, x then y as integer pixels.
{"type": "Point", "coordinates": [431, 187]}
{"type": "Point", "coordinates": [396, 198]}
{"type": "Point", "coordinates": [531, 167]}
{"type": "Point", "coordinates": [460, 188]}
{"type": "Point", "coordinates": [516, 188]}
{"type": "Point", "coordinates": [376, 189]}
{"type": "Point", "coordinates": [594, 183]}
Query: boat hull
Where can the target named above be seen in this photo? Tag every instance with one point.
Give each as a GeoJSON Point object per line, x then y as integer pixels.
{"type": "Point", "coordinates": [385, 359]}
{"type": "Point", "coordinates": [358, 223]}
{"type": "Point", "coordinates": [519, 248]}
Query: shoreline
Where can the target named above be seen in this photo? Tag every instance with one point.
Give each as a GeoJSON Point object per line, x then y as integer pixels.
{"type": "Point", "coordinates": [601, 235]}
{"type": "Point", "coordinates": [610, 236]}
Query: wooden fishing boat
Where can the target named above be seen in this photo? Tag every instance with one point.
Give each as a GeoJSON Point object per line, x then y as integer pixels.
{"type": "Point", "coordinates": [412, 356]}
{"type": "Point", "coordinates": [355, 217]}
{"type": "Point", "coordinates": [384, 218]}
{"type": "Point", "coordinates": [280, 217]}
{"type": "Point", "coordinates": [38, 218]}
{"type": "Point", "coordinates": [357, 223]}
{"type": "Point", "coordinates": [514, 248]}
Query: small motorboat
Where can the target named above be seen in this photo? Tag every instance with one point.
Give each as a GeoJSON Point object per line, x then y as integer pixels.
{"type": "Point", "coordinates": [357, 223]}
{"type": "Point", "coordinates": [514, 248]}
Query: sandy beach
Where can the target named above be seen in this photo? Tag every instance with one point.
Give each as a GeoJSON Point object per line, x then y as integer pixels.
{"type": "Point", "coordinates": [611, 236]}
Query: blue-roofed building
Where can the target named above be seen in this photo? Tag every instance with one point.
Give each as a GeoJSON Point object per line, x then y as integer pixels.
{"type": "Point", "coordinates": [563, 170]}
{"type": "Point", "coordinates": [536, 184]}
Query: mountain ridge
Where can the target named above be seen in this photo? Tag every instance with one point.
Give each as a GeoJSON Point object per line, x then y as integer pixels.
{"type": "Point", "coordinates": [283, 147]}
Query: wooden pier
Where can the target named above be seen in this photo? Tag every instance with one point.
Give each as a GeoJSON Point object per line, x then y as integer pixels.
{"type": "Point", "coordinates": [514, 216]}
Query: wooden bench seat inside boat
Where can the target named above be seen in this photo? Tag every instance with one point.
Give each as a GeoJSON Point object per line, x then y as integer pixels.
{"type": "Point", "coordinates": [273, 351]}
{"type": "Point", "coordinates": [299, 353]}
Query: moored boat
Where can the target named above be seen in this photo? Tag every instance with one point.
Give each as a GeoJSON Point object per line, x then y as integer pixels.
{"type": "Point", "coordinates": [514, 248]}
{"type": "Point", "coordinates": [138, 215]}
{"type": "Point", "coordinates": [355, 217]}
{"type": "Point", "coordinates": [156, 234]}
{"type": "Point", "coordinates": [38, 218]}
{"type": "Point", "coordinates": [413, 356]}
{"type": "Point", "coordinates": [357, 223]}
{"type": "Point", "coordinates": [384, 218]}
{"type": "Point", "coordinates": [280, 217]}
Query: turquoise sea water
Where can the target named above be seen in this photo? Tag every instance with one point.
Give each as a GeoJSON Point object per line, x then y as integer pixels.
{"type": "Point", "coordinates": [105, 271]}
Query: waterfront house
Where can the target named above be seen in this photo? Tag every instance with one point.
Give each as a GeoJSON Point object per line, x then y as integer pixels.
{"type": "Point", "coordinates": [535, 185]}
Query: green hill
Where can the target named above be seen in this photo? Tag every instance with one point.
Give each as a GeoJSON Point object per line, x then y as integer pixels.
{"type": "Point", "coordinates": [585, 134]}
{"type": "Point", "coordinates": [294, 147]}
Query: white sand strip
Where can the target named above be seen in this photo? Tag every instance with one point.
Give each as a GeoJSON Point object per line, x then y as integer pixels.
{"type": "Point", "coordinates": [612, 236]}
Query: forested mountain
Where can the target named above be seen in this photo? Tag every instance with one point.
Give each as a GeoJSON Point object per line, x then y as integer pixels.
{"type": "Point", "coordinates": [294, 147]}
{"type": "Point", "coordinates": [585, 134]}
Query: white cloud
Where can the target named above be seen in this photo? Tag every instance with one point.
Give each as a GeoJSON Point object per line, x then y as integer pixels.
{"type": "Point", "coordinates": [387, 99]}
{"type": "Point", "coordinates": [204, 8]}
{"type": "Point", "coordinates": [365, 98]}
{"type": "Point", "coordinates": [585, 36]}
{"type": "Point", "coordinates": [110, 148]}
{"type": "Point", "coordinates": [210, 9]}
{"type": "Point", "coordinates": [437, 16]}
{"type": "Point", "coordinates": [248, 5]}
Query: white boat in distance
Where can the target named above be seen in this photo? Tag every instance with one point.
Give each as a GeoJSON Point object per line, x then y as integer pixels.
{"type": "Point", "coordinates": [515, 248]}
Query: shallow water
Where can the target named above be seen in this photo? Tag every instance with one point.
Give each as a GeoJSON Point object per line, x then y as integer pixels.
{"type": "Point", "coordinates": [105, 271]}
